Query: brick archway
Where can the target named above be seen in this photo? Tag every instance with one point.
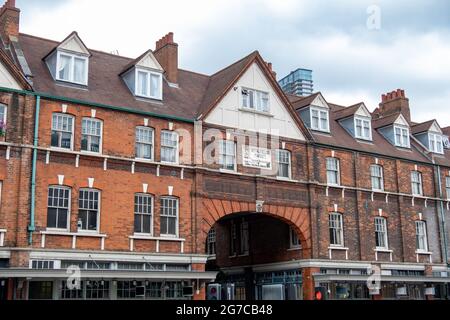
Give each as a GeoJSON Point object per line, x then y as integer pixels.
{"type": "Point", "coordinates": [298, 218]}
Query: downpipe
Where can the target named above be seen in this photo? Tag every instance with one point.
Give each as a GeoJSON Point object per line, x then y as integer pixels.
{"type": "Point", "coordinates": [32, 227]}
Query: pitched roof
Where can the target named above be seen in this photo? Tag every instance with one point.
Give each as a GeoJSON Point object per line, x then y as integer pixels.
{"type": "Point", "coordinates": [221, 81]}
{"type": "Point", "coordinates": [18, 75]}
{"type": "Point", "coordinates": [446, 130]}
{"type": "Point", "coordinates": [340, 138]}
{"type": "Point", "coordinates": [104, 70]}
{"type": "Point", "coordinates": [385, 121]}
{"type": "Point", "coordinates": [306, 101]}
{"type": "Point", "coordinates": [422, 127]}
{"type": "Point", "coordinates": [348, 111]}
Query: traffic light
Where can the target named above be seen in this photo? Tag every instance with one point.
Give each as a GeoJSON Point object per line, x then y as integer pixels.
{"type": "Point", "coordinates": [214, 291]}
{"type": "Point", "coordinates": [320, 293]}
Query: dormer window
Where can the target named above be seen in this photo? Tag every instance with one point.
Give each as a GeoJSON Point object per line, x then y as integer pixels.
{"type": "Point", "coordinates": [319, 120]}
{"type": "Point", "coordinates": [255, 100]}
{"type": "Point", "coordinates": [148, 84]}
{"type": "Point", "coordinates": [436, 143]}
{"type": "Point", "coordinates": [363, 128]}
{"type": "Point", "coordinates": [401, 137]}
{"type": "Point", "coordinates": [72, 68]}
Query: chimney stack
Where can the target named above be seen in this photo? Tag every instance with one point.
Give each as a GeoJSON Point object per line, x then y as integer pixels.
{"type": "Point", "coordinates": [166, 53]}
{"type": "Point", "coordinates": [269, 65]}
{"type": "Point", "coordinates": [394, 102]}
{"type": "Point", "coordinates": [9, 21]}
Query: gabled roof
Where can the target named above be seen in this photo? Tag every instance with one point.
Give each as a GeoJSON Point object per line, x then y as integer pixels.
{"type": "Point", "coordinates": [350, 111]}
{"type": "Point", "coordinates": [386, 121]}
{"type": "Point", "coordinates": [305, 101]}
{"type": "Point", "coordinates": [223, 81]}
{"type": "Point", "coordinates": [423, 127]}
{"type": "Point", "coordinates": [74, 35]}
{"type": "Point", "coordinates": [136, 61]}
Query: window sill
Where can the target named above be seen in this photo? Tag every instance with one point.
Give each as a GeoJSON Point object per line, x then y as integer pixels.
{"type": "Point", "coordinates": [337, 248]}
{"type": "Point", "coordinates": [60, 149]}
{"type": "Point", "coordinates": [228, 171]}
{"type": "Point", "coordinates": [377, 190]}
{"type": "Point", "coordinates": [145, 160]}
{"type": "Point", "coordinates": [92, 153]}
{"type": "Point", "coordinates": [76, 234]}
{"type": "Point", "coordinates": [333, 185]}
{"type": "Point", "coordinates": [137, 236]}
{"type": "Point", "coordinates": [424, 252]}
{"type": "Point", "coordinates": [262, 113]}
{"type": "Point", "coordinates": [294, 249]}
{"type": "Point", "coordinates": [383, 250]}
{"type": "Point", "coordinates": [284, 179]}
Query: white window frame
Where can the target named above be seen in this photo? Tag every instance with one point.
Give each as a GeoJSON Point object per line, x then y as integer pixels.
{"type": "Point", "coordinates": [72, 136]}
{"type": "Point", "coordinates": [177, 225]}
{"type": "Point", "coordinates": [447, 186]}
{"type": "Point", "coordinates": [221, 154]}
{"type": "Point", "coordinates": [100, 147]}
{"type": "Point", "coordinates": [292, 236]}
{"type": "Point", "coordinates": [381, 231]}
{"type": "Point", "coordinates": [289, 163]}
{"type": "Point", "coordinates": [152, 143]}
{"type": "Point", "coordinates": [177, 147]}
{"type": "Point", "coordinates": [148, 74]}
{"type": "Point", "coordinates": [380, 178]}
{"type": "Point", "coordinates": [67, 228]}
{"type": "Point", "coordinates": [419, 183]}
{"type": "Point", "coordinates": [421, 226]}
{"type": "Point", "coordinates": [320, 113]}
{"type": "Point", "coordinates": [257, 100]}
{"type": "Point", "coordinates": [5, 113]}
{"type": "Point", "coordinates": [97, 230]}
{"type": "Point", "coordinates": [211, 241]}
{"type": "Point", "coordinates": [151, 213]}
{"type": "Point", "coordinates": [365, 123]}
{"type": "Point", "coordinates": [337, 217]}
{"type": "Point", "coordinates": [404, 141]}
{"type": "Point", "coordinates": [337, 171]}
{"type": "Point", "coordinates": [435, 140]}
{"type": "Point", "coordinates": [72, 67]}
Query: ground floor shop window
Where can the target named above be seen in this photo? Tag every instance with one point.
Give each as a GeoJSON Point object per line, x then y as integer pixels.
{"type": "Point", "coordinates": [71, 290]}
{"type": "Point", "coordinates": [40, 290]}
{"type": "Point", "coordinates": [97, 289]}
{"type": "Point", "coordinates": [148, 290]}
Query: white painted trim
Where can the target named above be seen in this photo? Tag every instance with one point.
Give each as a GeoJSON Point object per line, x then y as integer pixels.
{"type": "Point", "coordinates": [148, 73]}
{"type": "Point", "coordinates": [363, 121]}
{"type": "Point", "coordinates": [145, 127]}
{"type": "Point", "coordinates": [319, 110]}
{"type": "Point", "coordinates": [72, 67]}
{"type": "Point", "coordinates": [2, 237]}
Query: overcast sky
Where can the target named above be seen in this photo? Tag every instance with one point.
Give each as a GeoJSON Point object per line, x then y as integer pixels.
{"type": "Point", "coordinates": [408, 47]}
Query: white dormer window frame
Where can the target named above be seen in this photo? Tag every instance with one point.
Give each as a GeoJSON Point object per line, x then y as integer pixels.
{"type": "Point", "coordinates": [72, 67]}
{"type": "Point", "coordinates": [402, 139]}
{"type": "Point", "coordinates": [319, 119]}
{"type": "Point", "coordinates": [255, 100]}
{"type": "Point", "coordinates": [363, 128]}
{"type": "Point", "coordinates": [435, 142]}
{"type": "Point", "coordinates": [139, 89]}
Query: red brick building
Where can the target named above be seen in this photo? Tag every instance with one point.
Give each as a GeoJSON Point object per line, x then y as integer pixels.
{"type": "Point", "coordinates": [130, 178]}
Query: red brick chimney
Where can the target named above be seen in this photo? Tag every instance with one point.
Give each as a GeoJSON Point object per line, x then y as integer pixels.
{"type": "Point", "coordinates": [166, 53]}
{"type": "Point", "coordinates": [9, 21]}
{"type": "Point", "coordinates": [394, 102]}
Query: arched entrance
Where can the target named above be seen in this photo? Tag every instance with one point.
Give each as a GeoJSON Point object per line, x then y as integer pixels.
{"type": "Point", "coordinates": [257, 251]}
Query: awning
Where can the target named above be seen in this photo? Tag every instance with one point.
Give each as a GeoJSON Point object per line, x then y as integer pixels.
{"type": "Point", "coordinates": [108, 274]}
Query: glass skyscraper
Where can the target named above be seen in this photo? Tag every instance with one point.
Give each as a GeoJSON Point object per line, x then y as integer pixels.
{"type": "Point", "coordinates": [298, 82]}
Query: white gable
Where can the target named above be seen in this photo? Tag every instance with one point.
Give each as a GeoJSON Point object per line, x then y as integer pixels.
{"type": "Point", "coordinates": [319, 101]}
{"type": "Point", "coordinates": [149, 61]}
{"type": "Point", "coordinates": [74, 44]}
{"type": "Point", "coordinates": [229, 113]}
{"type": "Point", "coordinates": [363, 112]}
{"type": "Point", "coordinates": [435, 128]}
{"type": "Point", "coordinates": [7, 80]}
{"type": "Point", "coordinates": [401, 121]}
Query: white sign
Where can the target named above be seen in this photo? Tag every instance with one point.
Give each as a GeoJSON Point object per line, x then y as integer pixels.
{"type": "Point", "coordinates": [256, 157]}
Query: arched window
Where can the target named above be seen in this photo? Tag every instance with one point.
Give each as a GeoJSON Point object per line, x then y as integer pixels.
{"type": "Point", "coordinates": [143, 213]}
{"type": "Point", "coordinates": [91, 135]}
{"type": "Point", "coordinates": [58, 209]}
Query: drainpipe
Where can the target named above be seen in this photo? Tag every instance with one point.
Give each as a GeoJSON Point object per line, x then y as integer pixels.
{"type": "Point", "coordinates": [442, 217]}
{"type": "Point", "coordinates": [32, 227]}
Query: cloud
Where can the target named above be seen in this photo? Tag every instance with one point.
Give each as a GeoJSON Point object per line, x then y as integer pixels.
{"type": "Point", "coordinates": [351, 63]}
